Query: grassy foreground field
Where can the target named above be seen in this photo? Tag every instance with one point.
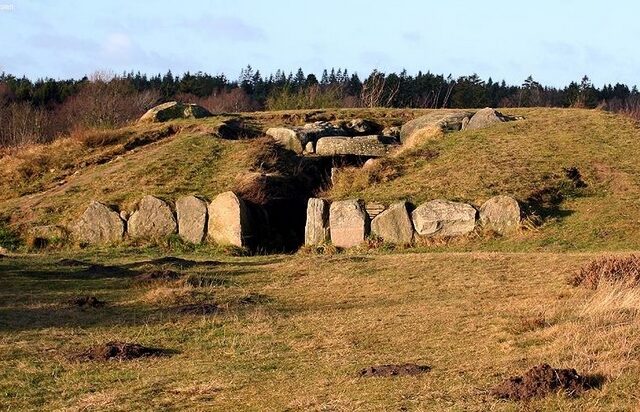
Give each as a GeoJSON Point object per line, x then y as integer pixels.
{"type": "Point", "coordinates": [293, 332]}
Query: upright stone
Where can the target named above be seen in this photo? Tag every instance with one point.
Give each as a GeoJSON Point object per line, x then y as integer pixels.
{"type": "Point", "coordinates": [316, 230]}
{"type": "Point", "coordinates": [394, 225]}
{"type": "Point", "coordinates": [228, 220]}
{"type": "Point", "coordinates": [192, 218]}
{"type": "Point", "coordinates": [98, 225]}
{"type": "Point", "coordinates": [348, 223]}
{"type": "Point", "coordinates": [444, 218]}
{"type": "Point", "coordinates": [501, 214]}
{"type": "Point", "coordinates": [153, 219]}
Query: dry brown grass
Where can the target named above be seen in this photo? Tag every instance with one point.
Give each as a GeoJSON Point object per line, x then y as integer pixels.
{"type": "Point", "coordinates": [474, 318]}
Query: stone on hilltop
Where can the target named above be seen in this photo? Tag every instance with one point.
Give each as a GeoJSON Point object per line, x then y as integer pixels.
{"type": "Point", "coordinates": [446, 122]}
{"type": "Point", "coordinates": [296, 138]}
{"type": "Point", "coordinates": [501, 214]}
{"type": "Point", "coordinates": [316, 230]}
{"type": "Point", "coordinates": [229, 220]}
{"type": "Point", "coordinates": [98, 225]}
{"type": "Point", "coordinates": [348, 223]}
{"type": "Point", "coordinates": [192, 218]}
{"type": "Point", "coordinates": [370, 146]}
{"type": "Point", "coordinates": [394, 225]}
{"type": "Point", "coordinates": [485, 118]}
{"type": "Point", "coordinates": [174, 110]}
{"type": "Point", "coordinates": [153, 219]}
{"type": "Point", "coordinates": [444, 218]}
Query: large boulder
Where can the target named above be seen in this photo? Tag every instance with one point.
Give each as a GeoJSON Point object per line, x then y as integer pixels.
{"type": "Point", "coordinates": [229, 220]}
{"type": "Point", "coordinates": [98, 225]}
{"type": "Point", "coordinates": [371, 146]}
{"type": "Point", "coordinates": [444, 218]}
{"type": "Point", "coordinates": [485, 118]}
{"type": "Point", "coordinates": [153, 219]}
{"type": "Point", "coordinates": [348, 223]}
{"type": "Point", "coordinates": [192, 218]}
{"type": "Point", "coordinates": [438, 120]}
{"type": "Point", "coordinates": [296, 138]}
{"type": "Point", "coordinates": [500, 214]}
{"type": "Point", "coordinates": [394, 225]}
{"type": "Point", "coordinates": [316, 230]}
{"type": "Point", "coordinates": [174, 110]}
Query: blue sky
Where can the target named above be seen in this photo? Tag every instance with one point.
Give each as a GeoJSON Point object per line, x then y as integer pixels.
{"type": "Point", "coordinates": [556, 41]}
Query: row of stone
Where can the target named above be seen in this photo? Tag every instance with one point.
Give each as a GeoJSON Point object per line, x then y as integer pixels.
{"type": "Point", "coordinates": [357, 137]}
{"type": "Point", "coordinates": [347, 223]}
{"type": "Point", "coordinates": [223, 221]}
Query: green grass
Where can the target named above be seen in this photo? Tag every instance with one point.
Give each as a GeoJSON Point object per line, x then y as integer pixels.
{"type": "Point", "coordinates": [475, 318]}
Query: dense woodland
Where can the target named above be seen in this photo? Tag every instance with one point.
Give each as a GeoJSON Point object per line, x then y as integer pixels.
{"type": "Point", "coordinates": [43, 110]}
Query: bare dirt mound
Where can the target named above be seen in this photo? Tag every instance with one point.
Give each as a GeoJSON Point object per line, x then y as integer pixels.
{"type": "Point", "coordinates": [540, 381]}
{"type": "Point", "coordinates": [86, 302]}
{"type": "Point", "coordinates": [119, 351]}
{"type": "Point", "coordinates": [160, 275]}
{"type": "Point", "coordinates": [407, 369]}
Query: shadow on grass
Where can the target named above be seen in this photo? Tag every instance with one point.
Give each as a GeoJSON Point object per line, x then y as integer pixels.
{"type": "Point", "coordinates": [33, 290]}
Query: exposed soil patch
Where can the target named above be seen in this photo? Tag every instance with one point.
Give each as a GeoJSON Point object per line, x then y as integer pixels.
{"type": "Point", "coordinates": [86, 302]}
{"type": "Point", "coordinates": [160, 275]}
{"type": "Point", "coordinates": [119, 351]}
{"type": "Point", "coordinates": [622, 270]}
{"type": "Point", "coordinates": [540, 381]}
{"type": "Point", "coordinates": [199, 309]}
{"type": "Point", "coordinates": [407, 369]}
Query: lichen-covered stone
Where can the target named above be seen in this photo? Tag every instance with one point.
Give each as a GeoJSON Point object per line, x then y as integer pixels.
{"type": "Point", "coordinates": [316, 231]}
{"type": "Point", "coordinates": [192, 218]}
{"type": "Point", "coordinates": [500, 214]}
{"type": "Point", "coordinates": [98, 225]}
{"type": "Point", "coordinates": [370, 146]}
{"type": "Point", "coordinates": [229, 220]}
{"type": "Point", "coordinates": [348, 223]}
{"type": "Point", "coordinates": [394, 225]}
{"type": "Point", "coordinates": [153, 219]}
{"type": "Point", "coordinates": [444, 218]}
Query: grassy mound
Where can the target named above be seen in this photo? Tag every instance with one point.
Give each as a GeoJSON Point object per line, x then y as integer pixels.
{"type": "Point", "coordinates": [572, 168]}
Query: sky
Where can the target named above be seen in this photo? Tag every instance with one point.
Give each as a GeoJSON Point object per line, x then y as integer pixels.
{"type": "Point", "coordinates": [555, 41]}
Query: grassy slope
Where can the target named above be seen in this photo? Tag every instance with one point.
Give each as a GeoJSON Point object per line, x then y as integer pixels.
{"type": "Point", "coordinates": [475, 318]}
{"type": "Point", "coordinates": [521, 157]}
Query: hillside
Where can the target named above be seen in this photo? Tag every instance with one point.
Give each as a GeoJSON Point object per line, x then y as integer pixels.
{"type": "Point", "coordinates": [529, 159]}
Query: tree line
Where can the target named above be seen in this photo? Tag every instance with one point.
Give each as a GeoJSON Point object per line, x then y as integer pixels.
{"type": "Point", "coordinates": [44, 109]}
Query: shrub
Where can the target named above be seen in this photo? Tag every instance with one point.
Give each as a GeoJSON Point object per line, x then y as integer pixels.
{"type": "Point", "coordinates": [8, 238]}
{"type": "Point", "coordinates": [621, 270]}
